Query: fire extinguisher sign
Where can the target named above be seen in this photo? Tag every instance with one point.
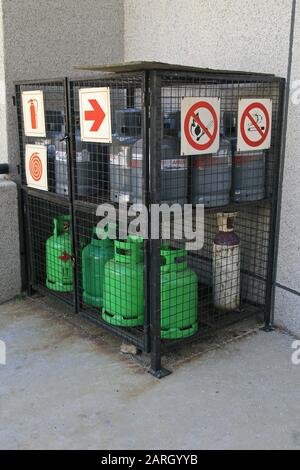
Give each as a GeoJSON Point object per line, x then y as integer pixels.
{"type": "Point", "coordinates": [33, 113]}
{"type": "Point", "coordinates": [254, 124]}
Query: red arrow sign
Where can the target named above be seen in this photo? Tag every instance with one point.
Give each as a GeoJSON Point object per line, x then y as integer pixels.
{"type": "Point", "coordinates": [97, 115]}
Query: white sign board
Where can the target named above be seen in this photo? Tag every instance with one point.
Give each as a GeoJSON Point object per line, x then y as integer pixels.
{"type": "Point", "coordinates": [95, 118]}
{"type": "Point", "coordinates": [200, 125]}
{"type": "Point", "coordinates": [36, 166]}
{"type": "Point", "coordinates": [33, 113]}
{"type": "Point", "coordinates": [254, 124]}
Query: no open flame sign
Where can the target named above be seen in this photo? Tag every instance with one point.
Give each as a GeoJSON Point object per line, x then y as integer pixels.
{"type": "Point", "coordinates": [200, 125]}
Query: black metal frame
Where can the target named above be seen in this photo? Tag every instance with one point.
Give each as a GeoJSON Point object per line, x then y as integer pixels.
{"type": "Point", "coordinates": [149, 339]}
{"type": "Point", "coordinates": [275, 214]}
{"type": "Point", "coordinates": [27, 192]}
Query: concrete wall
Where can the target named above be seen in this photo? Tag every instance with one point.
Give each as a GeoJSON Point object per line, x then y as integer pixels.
{"type": "Point", "coordinates": [3, 133]}
{"type": "Point", "coordinates": [230, 34]}
{"type": "Point", "coordinates": [225, 34]}
{"type": "Point", "coordinates": [44, 39]}
{"type": "Point", "coordinates": [10, 282]}
{"type": "Point", "coordinates": [288, 272]}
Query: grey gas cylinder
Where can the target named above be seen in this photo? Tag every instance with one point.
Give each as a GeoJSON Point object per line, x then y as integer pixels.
{"type": "Point", "coordinates": [61, 172]}
{"type": "Point", "coordinates": [174, 173]}
{"type": "Point", "coordinates": [126, 170]}
{"type": "Point", "coordinates": [174, 169]}
{"type": "Point", "coordinates": [248, 182]}
{"type": "Point", "coordinates": [86, 170]}
{"type": "Point", "coordinates": [126, 160]}
{"type": "Point", "coordinates": [211, 176]}
{"type": "Point", "coordinates": [171, 123]}
{"type": "Point", "coordinates": [248, 175]}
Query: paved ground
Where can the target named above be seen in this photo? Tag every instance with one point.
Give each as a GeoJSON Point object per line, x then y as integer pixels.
{"type": "Point", "coordinates": [65, 386]}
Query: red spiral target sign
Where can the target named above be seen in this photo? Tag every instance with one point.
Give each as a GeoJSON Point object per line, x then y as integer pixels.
{"type": "Point", "coordinates": [35, 167]}
{"type": "Point", "coordinates": [200, 123]}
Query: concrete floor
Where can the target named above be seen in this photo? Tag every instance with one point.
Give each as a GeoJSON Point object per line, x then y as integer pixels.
{"type": "Point", "coordinates": [66, 386]}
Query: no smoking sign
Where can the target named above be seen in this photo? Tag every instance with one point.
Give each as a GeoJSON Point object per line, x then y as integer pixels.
{"type": "Point", "coordinates": [254, 124]}
{"type": "Point", "coordinates": [200, 125]}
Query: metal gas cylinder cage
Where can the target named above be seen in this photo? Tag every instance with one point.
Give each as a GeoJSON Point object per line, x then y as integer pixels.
{"type": "Point", "coordinates": [171, 290]}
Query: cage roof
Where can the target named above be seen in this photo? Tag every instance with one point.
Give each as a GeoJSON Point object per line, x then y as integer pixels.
{"type": "Point", "coordinates": [138, 66]}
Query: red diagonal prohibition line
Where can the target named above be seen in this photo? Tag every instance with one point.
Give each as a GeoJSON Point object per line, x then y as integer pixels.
{"type": "Point", "coordinates": [255, 124]}
{"type": "Point", "coordinates": [198, 120]}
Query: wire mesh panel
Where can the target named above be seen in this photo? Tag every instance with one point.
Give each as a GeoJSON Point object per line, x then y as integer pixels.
{"type": "Point", "coordinates": [229, 276]}
{"type": "Point", "coordinates": [111, 272]}
{"type": "Point", "coordinates": [50, 247]}
{"type": "Point", "coordinates": [111, 172]}
{"type": "Point", "coordinates": [55, 116]}
{"type": "Point", "coordinates": [111, 278]}
{"type": "Point", "coordinates": [228, 175]}
{"type": "Point", "coordinates": [220, 283]}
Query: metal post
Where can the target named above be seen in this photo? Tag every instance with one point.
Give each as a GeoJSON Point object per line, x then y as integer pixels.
{"type": "Point", "coordinates": [26, 259]}
{"type": "Point", "coordinates": [275, 213]}
{"type": "Point", "coordinates": [276, 206]}
{"type": "Point", "coordinates": [156, 368]}
{"type": "Point", "coordinates": [71, 183]}
{"type": "Point", "coordinates": [145, 191]}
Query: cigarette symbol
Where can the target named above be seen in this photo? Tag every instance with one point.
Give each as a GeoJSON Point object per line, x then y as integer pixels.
{"type": "Point", "coordinates": [258, 118]}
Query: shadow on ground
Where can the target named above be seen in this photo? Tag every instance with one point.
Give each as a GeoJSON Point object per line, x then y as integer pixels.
{"type": "Point", "coordinates": [66, 386]}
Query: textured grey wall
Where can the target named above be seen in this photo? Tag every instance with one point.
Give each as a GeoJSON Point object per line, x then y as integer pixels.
{"type": "Point", "coordinates": [225, 34]}
{"type": "Point", "coordinates": [46, 38]}
{"type": "Point", "coordinates": [288, 272]}
{"type": "Point", "coordinates": [3, 134]}
{"type": "Point", "coordinates": [10, 283]}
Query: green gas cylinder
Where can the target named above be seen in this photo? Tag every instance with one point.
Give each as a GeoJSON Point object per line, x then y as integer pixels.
{"type": "Point", "coordinates": [123, 295]}
{"type": "Point", "coordinates": [178, 295]}
{"type": "Point", "coordinates": [59, 256]}
{"type": "Point", "coordinates": [94, 257]}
